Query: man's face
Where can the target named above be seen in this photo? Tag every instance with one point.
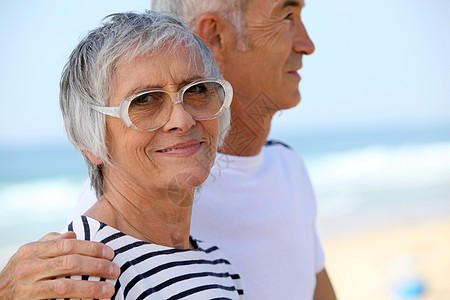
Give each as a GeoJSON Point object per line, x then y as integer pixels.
{"type": "Point", "coordinates": [277, 41]}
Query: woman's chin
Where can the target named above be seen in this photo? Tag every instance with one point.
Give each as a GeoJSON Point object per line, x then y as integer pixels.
{"type": "Point", "coordinates": [182, 186]}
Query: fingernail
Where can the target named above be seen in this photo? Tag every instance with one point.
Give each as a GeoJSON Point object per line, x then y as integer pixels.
{"type": "Point", "coordinates": [107, 253]}
{"type": "Point", "coordinates": [108, 290]}
{"type": "Point", "coordinates": [114, 269]}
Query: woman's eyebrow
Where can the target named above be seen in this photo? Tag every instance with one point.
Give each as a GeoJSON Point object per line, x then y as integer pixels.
{"type": "Point", "coordinates": [161, 86]}
{"type": "Point", "coordinates": [191, 79]}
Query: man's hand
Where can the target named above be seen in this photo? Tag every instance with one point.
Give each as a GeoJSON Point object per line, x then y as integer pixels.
{"type": "Point", "coordinates": [29, 273]}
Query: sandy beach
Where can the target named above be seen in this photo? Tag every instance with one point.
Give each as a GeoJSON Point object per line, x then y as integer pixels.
{"type": "Point", "coordinates": [369, 264]}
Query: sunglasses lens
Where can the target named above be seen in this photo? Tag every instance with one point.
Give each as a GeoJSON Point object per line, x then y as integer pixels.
{"type": "Point", "coordinates": [149, 110]}
{"type": "Point", "coordinates": [204, 100]}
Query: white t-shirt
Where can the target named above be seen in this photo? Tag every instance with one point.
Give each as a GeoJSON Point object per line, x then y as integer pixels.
{"type": "Point", "coordinates": [150, 271]}
{"type": "Point", "coordinates": [261, 211]}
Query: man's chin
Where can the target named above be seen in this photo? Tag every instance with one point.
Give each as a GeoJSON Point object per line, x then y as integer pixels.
{"type": "Point", "coordinates": [292, 101]}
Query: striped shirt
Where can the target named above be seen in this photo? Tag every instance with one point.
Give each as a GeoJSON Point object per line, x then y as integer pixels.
{"type": "Point", "coordinates": [150, 271]}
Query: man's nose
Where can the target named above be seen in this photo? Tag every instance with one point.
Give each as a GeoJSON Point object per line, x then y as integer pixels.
{"type": "Point", "coordinates": [301, 41]}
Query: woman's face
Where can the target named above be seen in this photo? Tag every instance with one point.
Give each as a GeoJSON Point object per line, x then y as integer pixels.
{"type": "Point", "coordinates": [178, 155]}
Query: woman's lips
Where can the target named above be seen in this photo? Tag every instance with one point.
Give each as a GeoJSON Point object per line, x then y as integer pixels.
{"type": "Point", "coordinates": [182, 149]}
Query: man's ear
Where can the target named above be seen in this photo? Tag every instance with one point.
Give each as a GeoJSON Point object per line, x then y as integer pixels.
{"type": "Point", "coordinates": [217, 33]}
{"type": "Point", "coordinates": [93, 158]}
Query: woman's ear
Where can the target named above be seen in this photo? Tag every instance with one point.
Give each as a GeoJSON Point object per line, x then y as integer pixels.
{"type": "Point", "coordinates": [217, 33]}
{"type": "Point", "coordinates": [93, 158]}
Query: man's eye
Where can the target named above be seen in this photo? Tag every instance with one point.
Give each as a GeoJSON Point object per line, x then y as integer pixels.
{"type": "Point", "coordinates": [289, 16]}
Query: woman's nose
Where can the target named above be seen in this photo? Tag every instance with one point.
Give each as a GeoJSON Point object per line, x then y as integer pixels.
{"type": "Point", "coordinates": [179, 119]}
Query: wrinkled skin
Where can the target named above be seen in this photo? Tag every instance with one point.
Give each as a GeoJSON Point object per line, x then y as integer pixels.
{"type": "Point", "coordinates": [29, 273]}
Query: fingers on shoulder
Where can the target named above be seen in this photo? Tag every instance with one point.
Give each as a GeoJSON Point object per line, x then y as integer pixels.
{"type": "Point", "coordinates": [54, 244]}
{"type": "Point", "coordinates": [86, 248]}
{"type": "Point", "coordinates": [56, 236]}
{"type": "Point", "coordinates": [27, 270]}
{"type": "Point", "coordinates": [67, 288]}
{"type": "Point", "coordinates": [83, 289]}
{"type": "Point", "coordinates": [76, 264]}
{"type": "Point", "coordinates": [58, 247]}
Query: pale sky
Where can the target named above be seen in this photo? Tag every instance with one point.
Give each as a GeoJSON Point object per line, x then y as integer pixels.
{"type": "Point", "coordinates": [381, 63]}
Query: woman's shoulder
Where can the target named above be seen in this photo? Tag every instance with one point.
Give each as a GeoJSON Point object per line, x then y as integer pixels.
{"type": "Point", "coordinates": [86, 228]}
{"type": "Point", "coordinates": [150, 269]}
{"type": "Point", "coordinates": [170, 271]}
{"type": "Point", "coordinates": [207, 248]}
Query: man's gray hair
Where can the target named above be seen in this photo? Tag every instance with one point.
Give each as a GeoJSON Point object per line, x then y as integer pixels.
{"type": "Point", "coordinates": [190, 11]}
{"type": "Point", "coordinates": [88, 77]}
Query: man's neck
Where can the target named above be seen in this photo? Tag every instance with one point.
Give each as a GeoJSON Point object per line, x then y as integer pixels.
{"type": "Point", "coordinates": [248, 132]}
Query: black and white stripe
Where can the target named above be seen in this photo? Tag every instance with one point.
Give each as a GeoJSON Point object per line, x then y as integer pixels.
{"type": "Point", "coordinates": [150, 271]}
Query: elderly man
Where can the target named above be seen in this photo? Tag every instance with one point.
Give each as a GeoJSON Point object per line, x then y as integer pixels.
{"type": "Point", "coordinates": [257, 204]}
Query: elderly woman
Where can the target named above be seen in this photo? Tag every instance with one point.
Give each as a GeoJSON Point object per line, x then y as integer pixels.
{"type": "Point", "coordinates": [143, 100]}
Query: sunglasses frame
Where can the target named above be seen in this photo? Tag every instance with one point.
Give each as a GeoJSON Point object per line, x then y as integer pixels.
{"type": "Point", "coordinates": [121, 111]}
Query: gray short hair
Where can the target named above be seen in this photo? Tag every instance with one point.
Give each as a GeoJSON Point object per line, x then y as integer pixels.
{"type": "Point", "coordinates": [88, 77]}
{"type": "Point", "coordinates": [190, 11]}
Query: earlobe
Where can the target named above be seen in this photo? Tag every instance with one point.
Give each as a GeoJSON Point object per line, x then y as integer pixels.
{"type": "Point", "coordinates": [93, 158]}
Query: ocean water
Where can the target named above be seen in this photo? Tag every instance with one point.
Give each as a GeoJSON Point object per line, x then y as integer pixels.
{"type": "Point", "coordinates": [361, 178]}
{"type": "Point", "coordinates": [38, 188]}
{"type": "Point", "coordinates": [368, 178]}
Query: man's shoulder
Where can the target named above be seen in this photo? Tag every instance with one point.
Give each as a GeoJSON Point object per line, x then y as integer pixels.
{"type": "Point", "coordinates": [273, 142]}
{"type": "Point", "coordinates": [279, 152]}
{"type": "Point", "coordinates": [280, 149]}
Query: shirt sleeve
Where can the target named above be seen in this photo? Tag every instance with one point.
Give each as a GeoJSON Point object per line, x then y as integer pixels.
{"type": "Point", "coordinates": [319, 253]}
